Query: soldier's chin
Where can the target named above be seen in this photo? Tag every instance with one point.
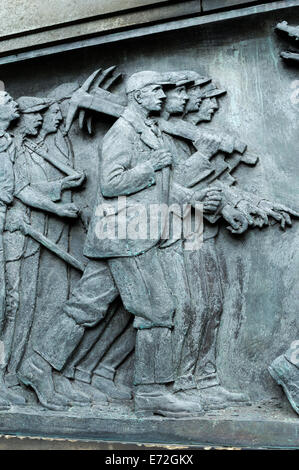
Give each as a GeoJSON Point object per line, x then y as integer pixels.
{"type": "Point", "coordinates": [193, 109]}
{"type": "Point", "coordinates": [180, 109]}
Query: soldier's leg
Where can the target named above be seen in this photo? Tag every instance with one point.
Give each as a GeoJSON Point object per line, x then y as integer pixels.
{"type": "Point", "coordinates": [12, 277]}
{"type": "Point", "coordinates": [146, 294]}
{"type": "Point", "coordinates": [174, 265]}
{"type": "Point", "coordinates": [153, 374]}
{"type": "Point", "coordinates": [52, 290]}
{"type": "Point", "coordinates": [88, 304]}
{"type": "Point", "coordinates": [117, 325]}
{"type": "Point", "coordinates": [104, 374]}
{"type": "Point", "coordinates": [91, 338]}
{"type": "Point", "coordinates": [210, 304]}
{"type": "Point", "coordinates": [4, 402]}
{"type": "Point", "coordinates": [214, 395]}
{"type": "Point", "coordinates": [25, 315]}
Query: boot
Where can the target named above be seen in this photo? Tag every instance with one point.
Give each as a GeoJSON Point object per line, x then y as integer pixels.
{"type": "Point", "coordinates": [164, 403]}
{"type": "Point", "coordinates": [8, 395]}
{"type": "Point", "coordinates": [4, 404]}
{"type": "Point", "coordinates": [98, 398]}
{"type": "Point", "coordinates": [286, 374]}
{"type": "Point", "coordinates": [11, 379]}
{"type": "Point", "coordinates": [218, 398]}
{"type": "Point", "coordinates": [37, 373]}
{"type": "Point", "coordinates": [192, 395]}
{"type": "Point", "coordinates": [64, 387]}
{"type": "Point", "coordinates": [108, 387]}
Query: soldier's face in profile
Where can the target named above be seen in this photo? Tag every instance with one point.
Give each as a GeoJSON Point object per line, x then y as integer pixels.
{"type": "Point", "coordinates": [195, 99]}
{"type": "Point", "coordinates": [9, 109]}
{"type": "Point", "coordinates": [176, 100]}
{"type": "Point", "coordinates": [208, 108]}
{"type": "Point", "coordinates": [151, 97]}
{"type": "Point", "coordinates": [32, 123]}
{"type": "Point", "coordinates": [52, 119]}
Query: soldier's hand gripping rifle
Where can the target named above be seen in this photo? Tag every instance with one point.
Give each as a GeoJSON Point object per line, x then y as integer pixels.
{"type": "Point", "coordinates": [94, 96]}
{"type": "Point", "coordinates": [21, 223]}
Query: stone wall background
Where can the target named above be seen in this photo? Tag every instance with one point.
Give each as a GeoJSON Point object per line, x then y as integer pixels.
{"type": "Point", "coordinates": [35, 23]}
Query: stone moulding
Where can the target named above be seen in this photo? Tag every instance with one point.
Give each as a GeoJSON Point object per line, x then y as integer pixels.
{"type": "Point", "coordinates": [19, 55]}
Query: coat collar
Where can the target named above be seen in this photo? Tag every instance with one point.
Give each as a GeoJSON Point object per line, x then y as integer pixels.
{"type": "Point", "coordinates": [138, 123]}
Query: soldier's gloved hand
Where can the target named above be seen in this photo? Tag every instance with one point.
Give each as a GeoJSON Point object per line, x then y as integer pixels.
{"type": "Point", "coordinates": [72, 181]}
{"type": "Point", "coordinates": [210, 197]}
{"type": "Point", "coordinates": [85, 216]}
{"type": "Point", "coordinates": [160, 159]}
{"type": "Point", "coordinates": [204, 163]}
{"type": "Point", "coordinates": [17, 223]}
{"type": "Point", "coordinates": [237, 221]}
{"type": "Point", "coordinates": [256, 216]}
{"type": "Point", "coordinates": [208, 144]}
{"type": "Point", "coordinates": [67, 210]}
{"type": "Point", "coordinates": [278, 212]}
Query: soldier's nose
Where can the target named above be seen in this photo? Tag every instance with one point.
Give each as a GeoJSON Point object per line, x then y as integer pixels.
{"type": "Point", "coordinates": [214, 104]}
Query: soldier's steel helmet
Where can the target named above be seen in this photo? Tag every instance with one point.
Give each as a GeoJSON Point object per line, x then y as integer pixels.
{"type": "Point", "coordinates": [139, 80]}
{"type": "Point", "coordinates": [211, 91]}
{"type": "Point", "coordinates": [176, 79]}
{"type": "Point", "coordinates": [32, 104]}
{"type": "Point", "coordinates": [197, 78]}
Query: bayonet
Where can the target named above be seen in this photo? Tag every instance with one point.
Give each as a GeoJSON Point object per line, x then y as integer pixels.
{"type": "Point", "coordinates": [47, 243]}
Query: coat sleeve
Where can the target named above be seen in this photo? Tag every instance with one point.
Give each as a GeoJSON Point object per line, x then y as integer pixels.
{"type": "Point", "coordinates": [6, 179]}
{"type": "Point", "coordinates": [180, 199]}
{"type": "Point", "coordinates": [193, 170]}
{"type": "Point", "coordinates": [233, 195]}
{"type": "Point", "coordinates": [117, 176]}
{"type": "Point", "coordinates": [52, 189]}
{"type": "Point", "coordinates": [21, 173]}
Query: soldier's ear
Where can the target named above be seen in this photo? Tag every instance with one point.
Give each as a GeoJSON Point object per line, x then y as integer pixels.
{"type": "Point", "coordinates": [137, 96]}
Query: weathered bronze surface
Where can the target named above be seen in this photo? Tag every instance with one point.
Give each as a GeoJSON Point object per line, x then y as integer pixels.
{"type": "Point", "coordinates": [149, 240]}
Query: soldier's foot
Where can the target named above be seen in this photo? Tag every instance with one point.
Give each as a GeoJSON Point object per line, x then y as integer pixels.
{"type": "Point", "coordinates": [64, 387]}
{"type": "Point", "coordinates": [97, 397]}
{"type": "Point", "coordinates": [11, 379]}
{"type": "Point", "coordinates": [12, 396]}
{"type": "Point", "coordinates": [4, 404]}
{"type": "Point", "coordinates": [112, 391]}
{"type": "Point", "coordinates": [193, 395]}
{"type": "Point", "coordinates": [37, 373]}
{"type": "Point", "coordinates": [218, 398]}
{"type": "Point", "coordinates": [7, 395]}
{"type": "Point", "coordinates": [166, 404]}
{"type": "Point", "coordinates": [286, 374]}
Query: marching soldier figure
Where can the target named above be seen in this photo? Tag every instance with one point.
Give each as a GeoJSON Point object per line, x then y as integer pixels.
{"type": "Point", "coordinates": [134, 163]}
{"type": "Point", "coordinates": [33, 195]}
{"type": "Point", "coordinates": [8, 113]}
